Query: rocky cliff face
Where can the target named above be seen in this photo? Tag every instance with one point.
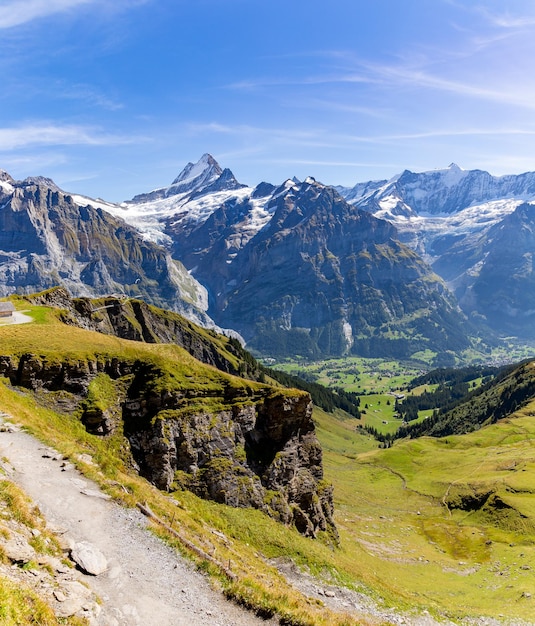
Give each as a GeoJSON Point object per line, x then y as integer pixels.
{"type": "Point", "coordinates": [262, 453]}
{"type": "Point", "coordinates": [318, 277]}
{"type": "Point", "coordinates": [47, 239]}
{"type": "Point", "coordinates": [501, 281]}
{"type": "Point", "coordinates": [254, 447]}
{"type": "Point", "coordinates": [475, 231]}
{"type": "Point", "coordinates": [138, 321]}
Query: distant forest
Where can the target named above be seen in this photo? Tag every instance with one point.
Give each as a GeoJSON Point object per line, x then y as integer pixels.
{"type": "Point", "coordinates": [327, 399]}
{"type": "Point", "coordinates": [502, 391]}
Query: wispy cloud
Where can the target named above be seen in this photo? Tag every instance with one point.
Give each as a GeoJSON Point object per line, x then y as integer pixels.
{"type": "Point", "coordinates": [507, 20]}
{"type": "Point", "coordinates": [89, 95]}
{"type": "Point", "coordinates": [337, 107]}
{"type": "Point", "coordinates": [327, 139]}
{"type": "Point", "coordinates": [327, 163]}
{"type": "Point", "coordinates": [56, 135]}
{"type": "Point", "coordinates": [405, 76]}
{"type": "Point", "coordinates": [18, 12]}
{"type": "Point", "coordinates": [248, 130]}
{"type": "Point", "coordinates": [322, 79]}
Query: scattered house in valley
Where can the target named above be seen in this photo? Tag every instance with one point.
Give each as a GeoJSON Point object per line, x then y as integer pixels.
{"type": "Point", "coordinates": [6, 309]}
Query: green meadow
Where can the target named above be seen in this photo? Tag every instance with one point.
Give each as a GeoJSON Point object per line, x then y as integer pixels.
{"type": "Point", "coordinates": [443, 525]}
{"type": "Point", "coordinates": [355, 374]}
{"type": "Point", "coordinates": [448, 524]}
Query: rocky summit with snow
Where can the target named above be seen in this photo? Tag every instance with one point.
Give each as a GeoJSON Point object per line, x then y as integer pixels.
{"type": "Point", "coordinates": [295, 269]}
{"type": "Point", "coordinates": [385, 267]}
{"type": "Point", "coordinates": [49, 237]}
{"type": "Point", "coordinates": [473, 229]}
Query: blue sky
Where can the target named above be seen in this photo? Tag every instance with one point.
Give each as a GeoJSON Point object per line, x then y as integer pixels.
{"type": "Point", "coordinates": [113, 98]}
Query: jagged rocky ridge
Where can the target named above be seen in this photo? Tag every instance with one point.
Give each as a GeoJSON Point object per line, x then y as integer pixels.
{"type": "Point", "coordinates": [316, 277]}
{"type": "Point", "coordinates": [440, 192]}
{"type": "Point", "coordinates": [46, 239]}
{"type": "Point", "coordinates": [190, 425]}
{"type": "Point", "coordinates": [296, 270]}
{"type": "Point", "coordinates": [217, 226]}
{"type": "Point", "coordinates": [205, 175]}
{"type": "Point", "coordinates": [475, 230]}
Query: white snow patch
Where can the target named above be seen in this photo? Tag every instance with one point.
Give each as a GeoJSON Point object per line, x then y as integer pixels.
{"type": "Point", "coordinates": [151, 217]}
{"type": "Point", "coordinates": [97, 204]}
{"type": "Point", "coordinates": [389, 203]}
{"type": "Point", "coordinates": [348, 333]}
{"type": "Point", "coordinates": [8, 187]}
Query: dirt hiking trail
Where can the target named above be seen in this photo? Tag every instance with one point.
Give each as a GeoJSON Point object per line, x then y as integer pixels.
{"type": "Point", "coordinates": [145, 581]}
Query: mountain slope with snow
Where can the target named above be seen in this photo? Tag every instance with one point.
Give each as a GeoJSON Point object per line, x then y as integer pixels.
{"type": "Point", "coordinates": [220, 229]}
{"type": "Point", "coordinates": [49, 237]}
{"type": "Point", "coordinates": [277, 270]}
{"type": "Point", "coordinates": [451, 218]}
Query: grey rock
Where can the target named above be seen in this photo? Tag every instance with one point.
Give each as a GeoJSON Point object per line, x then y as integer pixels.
{"type": "Point", "coordinates": [48, 239]}
{"type": "Point", "coordinates": [18, 550]}
{"type": "Point", "coordinates": [88, 558]}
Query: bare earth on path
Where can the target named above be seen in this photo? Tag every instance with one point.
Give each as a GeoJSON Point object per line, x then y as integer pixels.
{"type": "Point", "coordinates": [146, 582]}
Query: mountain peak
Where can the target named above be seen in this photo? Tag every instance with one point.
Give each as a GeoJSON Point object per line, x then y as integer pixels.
{"type": "Point", "coordinates": [6, 182]}
{"type": "Point", "coordinates": [205, 176]}
{"type": "Point", "coordinates": [195, 175]}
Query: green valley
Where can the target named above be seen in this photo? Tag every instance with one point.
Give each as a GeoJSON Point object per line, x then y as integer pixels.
{"type": "Point", "coordinates": [444, 525]}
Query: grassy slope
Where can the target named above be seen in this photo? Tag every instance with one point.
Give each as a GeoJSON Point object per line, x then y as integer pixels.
{"type": "Point", "coordinates": [241, 539]}
{"type": "Point", "coordinates": [411, 547]}
{"type": "Point", "coordinates": [398, 539]}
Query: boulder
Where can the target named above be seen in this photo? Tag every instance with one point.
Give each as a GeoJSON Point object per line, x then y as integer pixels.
{"type": "Point", "coordinates": [88, 558]}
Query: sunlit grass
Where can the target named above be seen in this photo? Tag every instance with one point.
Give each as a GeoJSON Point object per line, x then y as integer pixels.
{"type": "Point", "coordinates": [398, 539]}
{"type": "Point", "coordinates": [20, 606]}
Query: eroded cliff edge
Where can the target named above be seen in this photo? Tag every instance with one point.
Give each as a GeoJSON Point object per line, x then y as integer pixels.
{"type": "Point", "coordinates": [190, 426]}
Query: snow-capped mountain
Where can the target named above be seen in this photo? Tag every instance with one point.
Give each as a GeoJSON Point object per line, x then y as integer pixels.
{"type": "Point", "coordinates": [451, 218]}
{"type": "Point", "coordinates": [206, 215]}
{"type": "Point", "coordinates": [440, 192]}
{"type": "Point", "coordinates": [298, 268]}
{"type": "Point", "coordinates": [429, 205]}
{"type": "Point", "coordinates": [274, 261]}
{"type": "Point", "coordinates": [49, 237]}
{"type": "Point", "coordinates": [194, 194]}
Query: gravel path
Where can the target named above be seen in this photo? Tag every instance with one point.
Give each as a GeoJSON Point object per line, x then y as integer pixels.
{"type": "Point", "coordinates": [146, 582]}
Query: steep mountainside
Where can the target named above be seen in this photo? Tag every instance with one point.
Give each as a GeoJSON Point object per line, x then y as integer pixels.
{"type": "Point", "coordinates": [47, 239]}
{"type": "Point", "coordinates": [512, 389]}
{"type": "Point", "coordinates": [441, 192]}
{"type": "Point", "coordinates": [138, 321]}
{"type": "Point", "coordinates": [297, 270]}
{"type": "Point", "coordinates": [501, 278]}
{"type": "Point", "coordinates": [463, 222]}
{"type": "Point", "coordinates": [187, 424]}
{"type": "Point", "coordinates": [286, 266]}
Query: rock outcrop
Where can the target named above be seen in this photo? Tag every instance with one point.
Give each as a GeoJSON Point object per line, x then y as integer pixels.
{"type": "Point", "coordinates": [47, 239]}
{"type": "Point", "coordinates": [225, 439]}
{"type": "Point", "coordinates": [263, 454]}
{"type": "Point", "coordinates": [136, 320]}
